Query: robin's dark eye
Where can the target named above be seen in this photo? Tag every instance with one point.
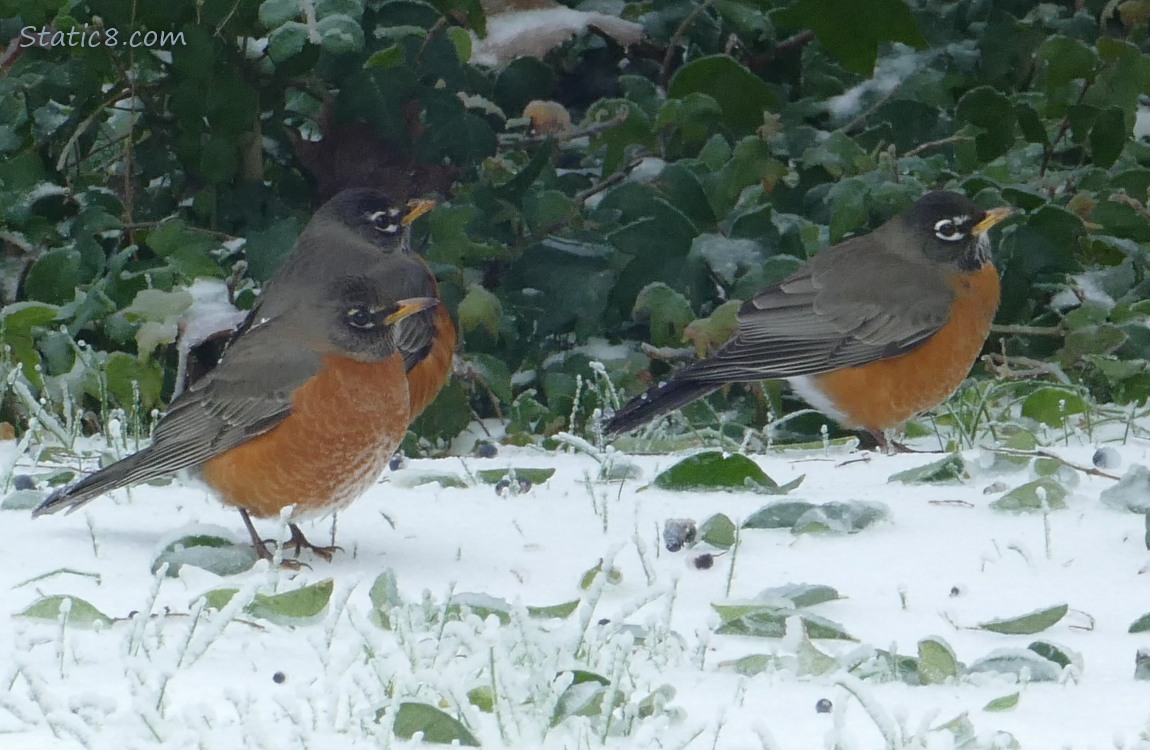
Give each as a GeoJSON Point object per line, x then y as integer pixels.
{"type": "Point", "coordinates": [386, 221]}
{"type": "Point", "coordinates": [357, 317]}
{"type": "Point", "coordinates": [947, 229]}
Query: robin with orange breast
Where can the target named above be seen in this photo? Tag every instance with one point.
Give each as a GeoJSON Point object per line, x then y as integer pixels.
{"type": "Point", "coordinates": [870, 332]}
{"type": "Point", "coordinates": [345, 347]}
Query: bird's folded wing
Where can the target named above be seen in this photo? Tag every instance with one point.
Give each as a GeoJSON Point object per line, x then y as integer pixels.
{"type": "Point", "coordinates": [823, 318]}
{"type": "Point", "coordinates": [246, 395]}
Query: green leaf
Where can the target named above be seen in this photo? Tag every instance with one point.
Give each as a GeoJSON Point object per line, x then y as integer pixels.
{"type": "Point", "coordinates": [991, 111]}
{"type": "Point", "coordinates": [494, 476]}
{"type": "Point", "coordinates": [1060, 655]}
{"type": "Point", "coordinates": [668, 312]}
{"type": "Point", "coordinates": [1005, 703]}
{"type": "Point", "coordinates": [1108, 136]}
{"type": "Point", "coordinates": [1039, 496]}
{"type": "Point", "coordinates": [127, 376]}
{"type": "Point", "coordinates": [480, 309]}
{"type": "Point", "coordinates": [1141, 625]}
{"type": "Point", "coordinates": [80, 613]}
{"type": "Point", "coordinates": [54, 277]}
{"type": "Point", "coordinates": [437, 727]}
{"type": "Point", "coordinates": [742, 96]}
{"type": "Point", "coordinates": [420, 478]}
{"type": "Point", "coordinates": [712, 470]}
{"type": "Point", "coordinates": [1067, 60]}
{"type": "Point", "coordinates": [388, 57]}
{"type": "Point", "coordinates": [385, 598]}
{"type": "Point", "coordinates": [560, 611]}
{"type": "Point", "coordinates": [1028, 624]}
{"type": "Point", "coordinates": [783, 514]}
{"type": "Point", "coordinates": [951, 469]}
{"type": "Point", "coordinates": [1052, 406]}
{"type": "Point", "coordinates": [290, 607]}
{"type": "Point", "coordinates": [614, 575]}
{"type": "Point", "coordinates": [801, 594]}
{"type": "Point", "coordinates": [853, 30]}
{"type": "Point", "coordinates": [718, 531]}
{"type": "Point", "coordinates": [770, 622]}
{"type": "Point", "coordinates": [936, 661]}
{"type": "Point", "coordinates": [480, 605]}
{"type": "Point", "coordinates": [339, 34]}
{"type": "Point", "coordinates": [212, 553]}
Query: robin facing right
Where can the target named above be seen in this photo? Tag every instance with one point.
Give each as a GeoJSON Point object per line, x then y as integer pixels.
{"type": "Point", "coordinates": [870, 331]}
{"type": "Point", "coordinates": [345, 347]}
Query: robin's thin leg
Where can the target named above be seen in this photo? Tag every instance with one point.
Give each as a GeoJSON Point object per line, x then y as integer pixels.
{"type": "Point", "coordinates": [299, 541]}
{"type": "Point", "coordinates": [886, 445]}
{"type": "Point", "coordinates": [261, 545]}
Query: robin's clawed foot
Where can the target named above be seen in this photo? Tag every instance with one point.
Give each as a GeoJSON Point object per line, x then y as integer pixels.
{"type": "Point", "coordinates": [299, 541]}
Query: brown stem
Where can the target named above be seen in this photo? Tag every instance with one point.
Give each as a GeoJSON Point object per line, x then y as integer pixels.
{"type": "Point", "coordinates": [672, 45]}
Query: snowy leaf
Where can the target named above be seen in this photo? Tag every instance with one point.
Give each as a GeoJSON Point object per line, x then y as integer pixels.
{"type": "Point", "coordinates": [1039, 496]}
{"type": "Point", "coordinates": [771, 622]}
{"type": "Point", "coordinates": [1005, 703]}
{"type": "Point", "coordinates": [534, 476]}
{"type": "Point", "coordinates": [1141, 625]}
{"type": "Point", "coordinates": [751, 664]}
{"type": "Point", "coordinates": [79, 612]}
{"type": "Point", "coordinates": [579, 699]}
{"type": "Point", "coordinates": [1132, 492]}
{"type": "Point", "coordinates": [801, 594]}
{"type": "Point", "coordinates": [936, 661]}
{"type": "Point", "coordinates": [1028, 624]}
{"type": "Point", "coordinates": [292, 606]}
{"type": "Point", "coordinates": [1060, 655]}
{"type": "Point", "coordinates": [782, 514]}
{"type": "Point", "coordinates": [482, 697]}
{"type": "Point", "coordinates": [407, 479]}
{"type": "Point", "coordinates": [219, 598]}
{"type": "Point", "coordinates": [655, 701]}
{"type": "Point", "coordinates": [22, 500]}
{"type": "Point", "coordinates": [215, 554]}
{"type": "Point", "coordinates": [951, 469]}
{"type": "Point", "coordinates": [384, 597]}
{"type": "Point", "coordinates": [1019, 662]}
{"type": "Point", "coordinates": [848, 517]}
{"type": "Point", "coordinates": [718, 531]}
{"type": "Point", "coordinates": [437, 727]}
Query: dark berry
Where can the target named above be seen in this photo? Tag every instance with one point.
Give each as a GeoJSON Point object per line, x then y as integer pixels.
{"type": "Point", "coordinates": [678, 532]}
{"type": "Point", "coordinates": [279, 678]}
{"type": "Point", "coordinates": [396, 462]}
{"type": "Point", "coordinates": [501, 487]}
{"type": "Point", "coordinates": [824, 706]}
{"type": "Point", "coordinates": [525, 485]}
{"type": "Point", "coordinates": [23, 482]}
{"type": "Point", "coordinates": [704, 561]}
{"type": "Point", "coordinates": [486, 450]}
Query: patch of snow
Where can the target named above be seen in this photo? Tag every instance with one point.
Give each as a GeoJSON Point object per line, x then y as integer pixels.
{"type": "Point", "coordinates": [889, 73]}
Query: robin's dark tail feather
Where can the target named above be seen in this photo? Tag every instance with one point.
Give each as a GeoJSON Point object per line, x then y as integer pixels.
{"type": "Point", "coordinates": [119, 474]}
{"type": "Point", "coordinates": [656, 402]}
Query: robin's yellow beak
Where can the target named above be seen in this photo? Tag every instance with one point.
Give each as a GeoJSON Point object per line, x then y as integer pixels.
{"type": "Point", "coordinates": [415, 209]}
{"type": "Point", "coordinates": [993, 216]}
{"type": "Point", "coordinates": [409, 307]}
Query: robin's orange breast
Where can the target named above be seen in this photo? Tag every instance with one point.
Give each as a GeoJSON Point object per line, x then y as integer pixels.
{"type": "Point", "coordinates": [428, 376]}
{"type": "Point", "coordinates": [885, 394]}
{"type": "Point", "coordinates": [345, 424]}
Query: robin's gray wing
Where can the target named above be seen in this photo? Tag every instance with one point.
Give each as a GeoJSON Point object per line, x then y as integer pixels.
{"type": "Point", "coordinates": [831, 314]}
{"type": "Point", "coordinates": [248, 393]}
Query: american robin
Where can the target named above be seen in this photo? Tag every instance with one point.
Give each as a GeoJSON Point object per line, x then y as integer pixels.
{"type": "Point", "coordinates": [870, 331]}
{"type": "Point", "coordinates": [345, 347]}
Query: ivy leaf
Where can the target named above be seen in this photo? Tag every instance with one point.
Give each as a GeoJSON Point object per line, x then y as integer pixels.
{"type": "Point", "coordinates": [1028, 624]}
{"type": "Point", "coordinates": [437, 727]}
{"type": "Point", "coordinates": [292, 607]}
{"type": "Point", "coordinates": [79, 612]}
{"type": "Point", "coordinates": [853, 30]}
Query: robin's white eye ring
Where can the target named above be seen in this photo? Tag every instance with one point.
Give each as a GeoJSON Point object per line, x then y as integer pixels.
{"type": "Point", "coordinates": [384, 221]}
{"type": "Point", "coordinates": [946, 229]}
{"type": "Point", "coordinates": [357, 317]}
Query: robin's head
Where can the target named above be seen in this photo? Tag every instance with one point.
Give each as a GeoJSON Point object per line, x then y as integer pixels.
{"type": "Point", "coordinates": [373, 216]}
{"type": "Point", "coordinates": [367, 319]}
{"type": "Point", "coordinates": [946, 228]}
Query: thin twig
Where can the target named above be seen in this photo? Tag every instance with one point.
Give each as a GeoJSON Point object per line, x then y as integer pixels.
{"type": "Point", "coordinates": [956, 138]}
{"type": "Point", "coordinates": [1002, 365]}
{"type": "Point", "coordinates": [593, 129]}
{"type": "Point", "coordinates": [1027, 330]}
{"type": "Point", "coordinates": [672, 45]}
{"type": "Point", "coordinates": [1092, 471]}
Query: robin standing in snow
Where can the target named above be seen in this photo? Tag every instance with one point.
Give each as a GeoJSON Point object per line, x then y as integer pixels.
{"type": "Point", "coordinates": [345, 347]}
{"type": "Point", "coordinates": [870, 331]}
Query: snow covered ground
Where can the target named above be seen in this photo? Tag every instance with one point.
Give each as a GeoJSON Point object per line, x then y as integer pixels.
{"type": "Point", "coordinates": [172, 672]}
